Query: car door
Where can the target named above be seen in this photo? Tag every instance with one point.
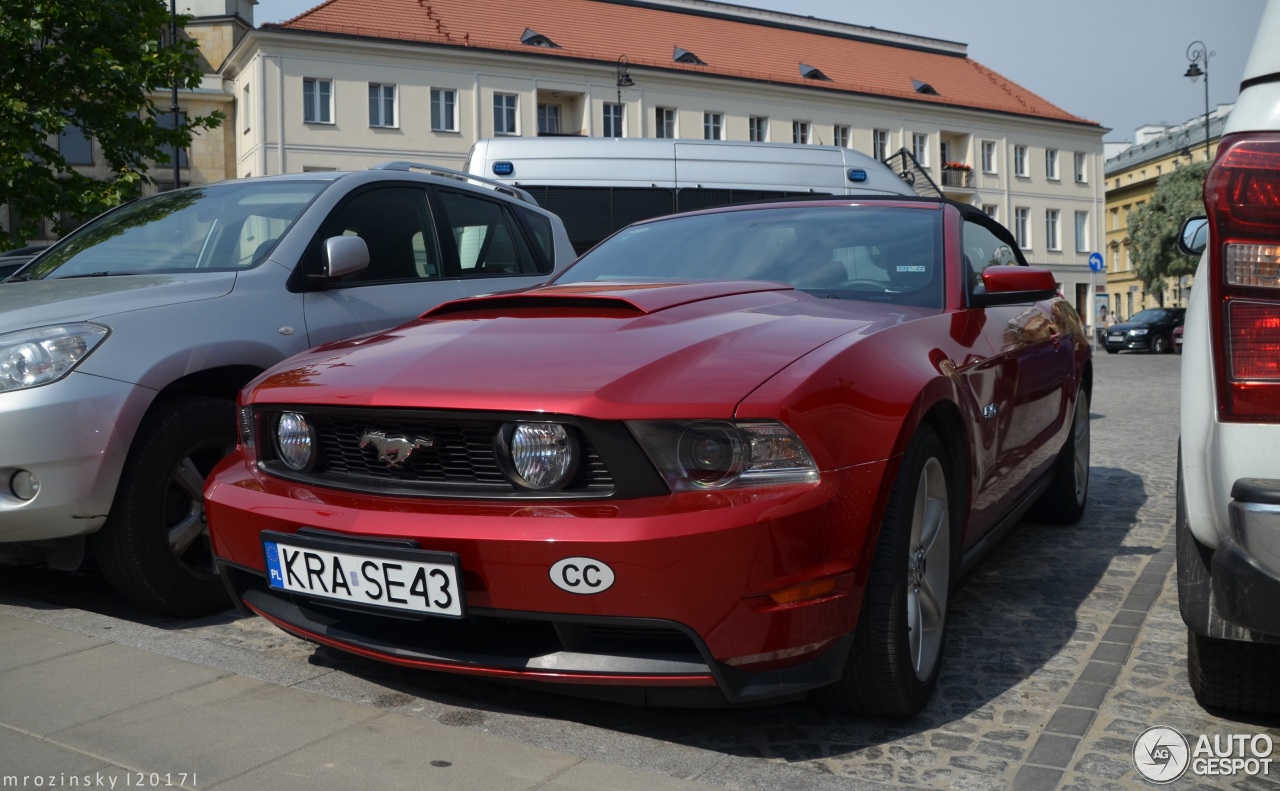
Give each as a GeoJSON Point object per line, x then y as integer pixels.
{"type": "Point", "coordinates": [407, 274]}
{"type": "Point", "coordinates": [1019, 391]}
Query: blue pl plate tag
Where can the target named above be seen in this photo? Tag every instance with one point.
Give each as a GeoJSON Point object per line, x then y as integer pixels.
{"type": "Point", "coordinates": [274, 578]}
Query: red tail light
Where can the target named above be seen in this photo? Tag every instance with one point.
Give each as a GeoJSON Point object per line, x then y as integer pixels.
{"type": "Point", "coordinates": [1242, 194]}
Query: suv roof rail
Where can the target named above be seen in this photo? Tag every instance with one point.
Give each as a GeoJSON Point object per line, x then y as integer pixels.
{"type": "Point", "coordinates": [437, 170]}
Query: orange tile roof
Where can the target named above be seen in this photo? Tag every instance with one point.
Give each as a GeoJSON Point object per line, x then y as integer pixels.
{"type": "Point", "coordinates": [604, 30]}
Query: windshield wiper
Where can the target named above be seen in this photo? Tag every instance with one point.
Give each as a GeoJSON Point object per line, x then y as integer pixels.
{"type": "Point", "coordinates": [89, 274]}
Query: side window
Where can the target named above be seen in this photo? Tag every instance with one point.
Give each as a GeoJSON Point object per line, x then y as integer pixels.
{"type": "Point", "coordinates": [540, 232]}
{"type": "Point", "coordinates": [486, 236]}
{"type": "Point", "coordinates": [396, 225]}
{"type": "Point", "coordinates": [982, 248]}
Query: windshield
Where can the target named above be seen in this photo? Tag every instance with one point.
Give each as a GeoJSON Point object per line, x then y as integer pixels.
{"type": "Point", "coordinates": [215, 228]}
{"type": "Point", "coordinates": [865, 252]}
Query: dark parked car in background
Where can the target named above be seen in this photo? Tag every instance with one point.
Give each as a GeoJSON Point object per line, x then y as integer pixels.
{"type": "Point", "coordinates": [13, 260]}
{"type": "Point", "coordinates": [1148, 330]}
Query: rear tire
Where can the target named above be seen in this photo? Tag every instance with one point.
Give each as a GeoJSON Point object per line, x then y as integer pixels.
{"type": "Point", "coordinates": [154, 548]}
{"type": "Point", "coordinates": [1064, 501]}
{"type": "Point", "coordinates": [896, 656]}
{"type": "Point", "coordinates": [1235, 675]}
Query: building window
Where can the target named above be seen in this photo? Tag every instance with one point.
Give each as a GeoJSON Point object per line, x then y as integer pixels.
{"type": "Point", "coordinates": [920, 148]}
{"type": "Point", "coordinates": [74, 147]}
{"type": "Point", "coordinates": [245, 110]}
{"type": "Point", "coordinates": [1051, 164]}
{"type": "Point", "coordinates": [988, 156]}
{"type": "Point", "coordinates": [504, 114]}
{"type": "Point", "coordinates": [1082, 232]}
{"type": "Point", "coordinates": [1021, 227]}
{"type": "Point", "coordinates": [612, 120]}
{"type": "Point", "coordinates": [1051, 238]}
{"type": "Point", "coordinates": [165, 121]}
{"type": "Point", "coordinates": [991, 210]}
{"type": "Point", "coordinates": [548, 119]}
{"type": "Point", "coordinates": [444, 110]}
{"type": "Point", "coordinates": [1080, 171]}
{"type": "Point", "coordinates": [382, 104]}
{"type": "Point", "coordinates": [1115, 260]}
{"type": "Point", "coordinates": [1115, 219]}
{"type": "Point", "coordinates": [712, 126]}
{"type": "Point", "coordinates": [880, 144]}
{"type": "Point", "coordinates": [758, 129]}
{"type": "Point", "coordinates": [664, 122]}
{"type": "Point", "coordinates": [1020, 161]}
{"type": "Point", "coordinates": [799, 131]}
{"type": "Point", "coordinates": [317, 101]}
{"type": "Point", "coordinates": [840, 135]}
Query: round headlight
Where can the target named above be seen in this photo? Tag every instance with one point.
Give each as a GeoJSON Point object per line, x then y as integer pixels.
{"type": "Point", "coordinates": [540, 456]}
{"type": "Point", "coordinates": [711, 453]}
{"type": "Point", "coordinates": [295, 441]}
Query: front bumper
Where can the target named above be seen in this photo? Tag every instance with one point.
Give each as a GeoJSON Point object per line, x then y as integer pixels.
{"type": "Point", "coordinates": [1246, 564]}
{"type": "Point", "coordinates": [74, 436]}
{"type": "Point", "coordinates": [689, 612]}
{"type": "Point", "coordinates": [1126, 341]}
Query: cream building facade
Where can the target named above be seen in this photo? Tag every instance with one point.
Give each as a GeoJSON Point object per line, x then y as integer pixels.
{"type": "Point", "coordinates": [304, 103]}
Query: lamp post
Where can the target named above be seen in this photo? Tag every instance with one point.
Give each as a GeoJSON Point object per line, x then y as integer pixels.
{"type": "Point", "coordinates": [1198, 53]}
{"type": "Point", "coordinates": [623, 81]}
{"type": "Point", "coordinates": [173, 42]}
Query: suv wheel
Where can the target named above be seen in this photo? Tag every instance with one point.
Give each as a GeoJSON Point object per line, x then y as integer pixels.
{"type": "Point", "coordinates": [1233, 674]}
{"type": "Point", "coordinates": [154, 548]}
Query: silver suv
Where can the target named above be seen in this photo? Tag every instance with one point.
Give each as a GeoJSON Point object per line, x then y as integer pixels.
{"type": "Point", "coordinates": [122, 347]}
{"type": "Point", "coordinates": [1228, 518]}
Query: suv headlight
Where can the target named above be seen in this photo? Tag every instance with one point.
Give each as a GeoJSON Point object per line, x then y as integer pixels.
{"type": "Point", "coordinates": [30, 358]}
{"type": "Point", "coordinates": [712, 454]}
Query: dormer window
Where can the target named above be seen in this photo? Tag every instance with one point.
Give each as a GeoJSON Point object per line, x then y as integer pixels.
{"type": "Point", "coordinates": [924, 87]}
{"type": "Point", "coordinates": [812, 73]}
{"type": "Point", "coordinates": [533, 38]}
{"type": "Point", "coordinates": [685, 56]}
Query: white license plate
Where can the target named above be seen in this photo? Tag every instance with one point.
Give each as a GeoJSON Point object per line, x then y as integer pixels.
{"type": "Point", "coordinates": [1115, 337]}
{"type": "Point", "coordinates": [393, 578]}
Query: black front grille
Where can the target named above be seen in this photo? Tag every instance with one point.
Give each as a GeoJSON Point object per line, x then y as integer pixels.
{"type": "Point", "coordinates": [457, 456]}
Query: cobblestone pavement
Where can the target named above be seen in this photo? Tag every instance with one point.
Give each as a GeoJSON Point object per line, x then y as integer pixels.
{"type": "Point", "coordinates": [1065, 644]}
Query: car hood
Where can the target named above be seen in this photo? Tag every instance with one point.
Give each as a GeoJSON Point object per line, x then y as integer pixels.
{"type": "Point", "coordinates": [693, 350]}
{"type": "Point", "coordinates": [38, 303]}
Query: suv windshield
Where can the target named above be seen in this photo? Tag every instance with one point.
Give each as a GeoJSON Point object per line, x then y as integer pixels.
{"type": "Point", "coordinates": [877, 253]}
{"type": "Point", "coordinates": [215, 228]}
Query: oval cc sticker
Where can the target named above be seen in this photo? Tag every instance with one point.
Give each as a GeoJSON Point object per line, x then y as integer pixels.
{"type": "Point", "coordinates": [582, 575]}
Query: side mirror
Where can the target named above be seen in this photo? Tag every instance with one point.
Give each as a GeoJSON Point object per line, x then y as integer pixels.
{"type": "Point", "coordinates": [1013, 285]}
{"type": "Point", "coordinates": [1194, 236]}
{"type": "Point", "coordinates": [344, 255]}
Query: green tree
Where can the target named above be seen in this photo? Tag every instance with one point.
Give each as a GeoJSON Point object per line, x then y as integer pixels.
{"type": "Point", "coordinates": [1154, 227]}
{"type": "Point", "coordinates": [95, 65]}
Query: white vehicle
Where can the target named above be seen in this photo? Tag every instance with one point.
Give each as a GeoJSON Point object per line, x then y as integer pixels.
{"type": "Point", "coordinates": [598, 185]}
{"type": "Point", "coordinates": [1228, 520]}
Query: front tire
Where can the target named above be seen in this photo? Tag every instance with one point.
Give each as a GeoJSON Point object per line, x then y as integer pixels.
{"type": "Point", "coordinates": [1159, 344]}
{"type": "Point", "coordinates": [1233, 674]}
{"type": "Point", "coordinates": [154, 549]}
{"type": "Point", "coordinates": [1063, 502]}
{"type": "Point", "coordinates": [896, 656]}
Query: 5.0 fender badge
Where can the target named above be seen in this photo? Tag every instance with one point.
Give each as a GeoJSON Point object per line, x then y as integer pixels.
{"type": "Point", "coordinates": [582, 575]}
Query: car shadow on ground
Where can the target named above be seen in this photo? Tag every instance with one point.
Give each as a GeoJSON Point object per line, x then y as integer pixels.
{"type": "Point", "coordinates": [1015, 644]}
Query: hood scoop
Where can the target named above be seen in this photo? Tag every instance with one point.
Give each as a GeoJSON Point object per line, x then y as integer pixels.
{"type": "Point", "coordinates": [612, 299]}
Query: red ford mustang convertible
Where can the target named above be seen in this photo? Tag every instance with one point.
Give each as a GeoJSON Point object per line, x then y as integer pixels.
{"type": "Point", "coordinates": [734, 455]}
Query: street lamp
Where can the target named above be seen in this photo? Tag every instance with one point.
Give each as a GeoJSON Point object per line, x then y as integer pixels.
{"type": "Point", "coordinates": [1198, 53]}
{"type": "Point", "coordinates": [624, 77]}
{"type": "Point", "coordinates": [173, 107]}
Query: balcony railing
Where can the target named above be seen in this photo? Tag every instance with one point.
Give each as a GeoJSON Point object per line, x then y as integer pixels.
{"type": "Point", "coordinates": [957, 178]}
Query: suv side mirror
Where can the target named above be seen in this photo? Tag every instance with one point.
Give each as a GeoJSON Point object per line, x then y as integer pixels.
{"type": "Point", "coordinates": [1194, 236]}
{"type": "Point", "coordinates": [344, 255]}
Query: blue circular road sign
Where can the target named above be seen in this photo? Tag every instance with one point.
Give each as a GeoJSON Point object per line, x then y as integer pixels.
{"type": "Point", "coordinates": [1096, 263]}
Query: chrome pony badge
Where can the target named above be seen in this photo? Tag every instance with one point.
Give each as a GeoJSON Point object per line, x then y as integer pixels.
{"type": "Point", "coordinates": [394, 451]}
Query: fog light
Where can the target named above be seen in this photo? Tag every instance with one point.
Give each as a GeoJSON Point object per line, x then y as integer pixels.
{"type": "Point", "coordinates": [295, 441]}
{"type": "Point", "coordinates": [539, 456]}
{"type": "Point", "coordinates": [24, 485]}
